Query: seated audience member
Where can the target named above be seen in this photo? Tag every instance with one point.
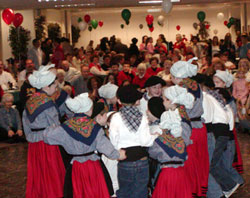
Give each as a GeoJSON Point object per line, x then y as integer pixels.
{"type": "Point", "coordinates": [6, 79]}
{"type": "Point", "coordinates": [244, 64]}
{"type": "Point", "coordinates": [133, 49]}
{"type": "Point", "coordinates": [80, 84]}
{"type": "Point", "coordinates": [179, 44]}
{"type": "Point", "coordinates": [29, 68]}
{"type": "Point", "coordinates": [165, 74]}
{"type": "Point", "coordinates": [125, 74]}
{"type": "Point", "coordinates": [70, 73]}
{"type": "Point", "coordinates": [244, 113]}
{"type": "Point", "coordinates": [69, 58]}
{"type": "Point", "coordinates": [154, 69]}
{"type": "Point", "coordinates": [245, 45]}
{"type": "Point", "coordinates": [10, 121]}
{"type": "Point", "coordinates": [95, 67]}
{"type": "Point", "coordinates": [110, 78]}
{"type": "Point", "coordinates": [60, 78]}
{"type": "Point", "coordinates": [141, 76]}
{"type": "Point", "coordinates": [93, 85]}
{"type": "Point", "coordinates": [216, 65]}
{"type": "Point", "coordinates": [240, 89]}
{"type": "Point", "coordinates": [205, 64]}
{"type": "Point", "coordinates": [133, 61]}
{"type": "Point", "coordinates": [229, 65]}
{"type": "Point", "coordinates": [160, 47]}
{"type": "Point", "coordinates": [163, 57]}
{"type": "Point", "coordinates": [106, 63]}
{"type": "Point", "coordinates": [142, 45]}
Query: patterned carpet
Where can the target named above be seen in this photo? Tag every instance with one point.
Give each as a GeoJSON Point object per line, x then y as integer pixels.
{"type": "Point", "coordinates": [13, 169]}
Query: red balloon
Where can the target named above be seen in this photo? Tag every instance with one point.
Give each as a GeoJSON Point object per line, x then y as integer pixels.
{"type": "Point", "coordinates": [100, 23]}
{"type": "Point", "coordinates": [151, 29]}
{"type": "Point", "coordinates": [225, 22]}
{"type": "Point", "coordinates": [149, 19]}
{"type": "Point", "coordinates": [207, 26]}
{"type": "Point", "coordinates": [86, 18]}
{"type": "Point", "coordinates": [8, 16]}
{"type": "Point", "coordinates": [178, 27]}
{"type": "Point", "coordinates": [18, 20]}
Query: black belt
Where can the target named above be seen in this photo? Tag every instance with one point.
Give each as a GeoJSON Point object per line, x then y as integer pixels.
{"type": "Point", "coordinates": [38, 129]}
{"type": "Point", "coordinates": [85, 154]}
{"type": "Point", "coordinates": [172, 162]}
{"type": "Point", "coordinates": [195, 119]}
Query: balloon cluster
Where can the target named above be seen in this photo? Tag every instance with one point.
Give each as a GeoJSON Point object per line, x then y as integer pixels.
{"type": "Point", "coordinates": [203, 26]}
{"type": "Point", "coordinates": [150, 20]}
{"type": "Point", "coordinates": [126, 14]}
{"type": "Point", "coordinates": [88, 23]}
{"type": "Point", "coordinates": [230, 23]}
{"type": "Point", "coordinates": [9, 17]}
{"type": "Point", "coordinates": [161, 20]}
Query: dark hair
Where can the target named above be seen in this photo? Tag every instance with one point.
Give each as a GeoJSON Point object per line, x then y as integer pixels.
{"type": "Point", "coordinates": [190, 53]}
{"type": "Point", "coordinates": [106, 56]}
{"type": "Point", "coordinates": [226, 95]}
{"type": "Point", "coordinates": [57, 40]}
{"type": "Point", "coordinates": [35, 40]}
{"type": "Point", "coordinates": [153, 58]}
{"type": "Point", "coordinates": [134, 40]}
{"type": "Point", "coordinates": [195, 37]}
{"type": "Point", "coordinates": [143, 38]}
{"type": "Point", "coordinates": [89, 86]}
{"type": "Point", "coordinates": [92, 58]}
{"type": "Point", "coordinates": [107, 78]}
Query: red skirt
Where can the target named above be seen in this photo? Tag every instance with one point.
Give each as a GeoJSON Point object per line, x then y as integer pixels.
{"type": "Point", "coordinates": [88, 180]}
{"type": "Point", "coordinates": [238, 163]}
{"type": "Point", "coordinates": [199, 137]}
{"type": "Point", "coordinates": [46, 171]}
{"type": "Point", "coordinates": [172, 183]}
{"type": "Point", "coordinates": [191, 170]}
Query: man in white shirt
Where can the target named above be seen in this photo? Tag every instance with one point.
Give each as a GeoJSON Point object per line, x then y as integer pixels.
{"type": "Point", "coordinates": [29, 68]}
{"type": "Point", "coordinates": [6, 79]}
{"type": "Point", "coordinates": [71, 73]}
{"type": "Point", "coordinates": [35, 53]}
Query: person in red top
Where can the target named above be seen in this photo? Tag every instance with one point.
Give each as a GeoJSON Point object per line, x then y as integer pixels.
{"type": "Point", "coordinates": [179, 44]}
{"type": "Point", "coordinates": [58, 54]}
{"type": "Point", "coordinates": [95, 67]}
{"type": "Point", "coordinates": [141, 76]}
{"type": "Point", "coordinates": [125, 74]}
{"type": "Point", "coordinates": [154, 69]}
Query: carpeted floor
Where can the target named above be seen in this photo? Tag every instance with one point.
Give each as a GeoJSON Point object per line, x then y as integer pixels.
{"type": "Point", "coordinates": [13, 169]}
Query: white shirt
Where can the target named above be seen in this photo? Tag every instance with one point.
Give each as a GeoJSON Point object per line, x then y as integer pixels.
{"type": "Point", "coordinates": [6, 77]}
{"type": "Point", "coordinates": [95, 71]}
{"type": "Point", "coordinates": [36, 55]}
{"type": "Point", "coordinates": [71, 74]}
{"type": "Point", "coordinates": [121, 137]}
{"type": "Point", "coordinates": [208, 108]}
{"type": "Point", "coordinates": [143, 107]}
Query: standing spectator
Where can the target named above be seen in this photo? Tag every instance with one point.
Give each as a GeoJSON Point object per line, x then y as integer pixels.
{"type": "Point", "coordinates": [80, 84]}
{"type": "Point", "coordinates": [104, 45]}
{"type": "Point", "coordinates": [6, 79]}
{"type": "Point", "coordinates": [245, 46]}
{"type": "Point", "coordinates": [70, 72]}
{"type": "Point", "coordinates": [36, 54]}
{"type": "Point", "coordinates": [196, 47]}
{"type": "Point", "coordinates": [229, 47]}
{"type": "Point", "coordinates": [120, 47]}
{"type": "Point", "coordinates": [58, 54]}
{"type": "Point", "coordinates": [149, 45]}
{"type": "Point", "coordinates": [215, 47]}
{"type": "Point", "coordinates": [67, 48]}
{"type": "Point", "coordinates": [143, 44]}
{"type": "Point", "coordinates": [10, 121]}
{"type": "Point", "coordinates": [47, 50]}
{"type": "Point", "coordinates": [229, 65]}
{"type": "Point", "coordinates": [133, 49]}
{"type": "Point", "coordinates": [89, 47]}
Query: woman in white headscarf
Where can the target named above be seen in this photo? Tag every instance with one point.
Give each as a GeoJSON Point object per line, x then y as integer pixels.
{"type": "Point", "coordinates": [181, 73]}
{"type": "Point", "coordinates": [46, 171]}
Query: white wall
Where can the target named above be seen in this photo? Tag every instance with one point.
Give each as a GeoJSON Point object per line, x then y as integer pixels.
{"type": "Point", "coordinates": [180, 15]}
{"type": "Point", "coordinates": [28, 23]}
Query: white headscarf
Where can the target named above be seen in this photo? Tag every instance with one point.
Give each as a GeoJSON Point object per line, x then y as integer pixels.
{"type": "Point", "coordinates": [108, 91]}
{"type": "Point", "coordinates": [184, 69]}
{"type": "Point", "coordinates": [43, 77]}
{"type": "Point", "coordinates": [80, 104]}
{"type": "Point", "coordinates": [171, 120]}
{"type": "Point", "coordinates": [179, 95]}
{"type": "Point", "coordinates": [225, 76]}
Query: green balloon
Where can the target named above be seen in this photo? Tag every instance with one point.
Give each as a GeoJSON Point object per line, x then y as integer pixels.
{"type": "Point", "coordinates": [127, 22]}
{"type": "Point", "coordinates": [232, 20]}
{"type": "Point", "coordinates": [90, 28]}
{"type": "Point", "coordinates": [122, 26]}
{"type": "Point", "coordinates": [201, 16]}
{"type": "Point", "coordinates": [151, 25]}
{"type": "Point", "coordinates": [79, 20]}
{"type": "Point", "coordinates": [229, 25]}
{"type": "Point", "coordinates": [94, 23]}
{"type": "Point", "coordinates": [126, 14]}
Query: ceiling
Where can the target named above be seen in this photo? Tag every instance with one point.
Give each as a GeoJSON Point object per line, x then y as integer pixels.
{"type": "Point", "coordinates": [42, 4]}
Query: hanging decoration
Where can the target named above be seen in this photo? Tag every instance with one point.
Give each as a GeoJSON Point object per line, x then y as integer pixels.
{"type": "Point", "coordinates": [195, 25]}
{"type": "Point", "coordinates": [203, 26]}
{"type": "Point", "coordinates": [230, 22]}
{"type": "Point", "coordinates": [167, 6]}
{"type": "Point", "coordinates": [150, 20]}
{"type": "Point", "coordinates": [90, 28]}
{"type": "Point", "coordinates": [225, 23]}
{"type": "Point", "coordinates": [82, 25]}
{"type": "Point", "coordinates": [94, 23]}
{"type": "Point", "coordinates": [8, 16]}
{"type": "Point", "coordinates": [201, 16]}
{"type": "Point", "coordinates": [178, 27]}
{"type": "Point", "coordinates": [160, 20]}
{"type": "Point", "coordinates": [151, 29]}
{"type": "Point", "coordinates": [122, 26]}
{"type": "Point", "coordinates": [126, 14]}
{"type": "Point", "coordinates": [18, 20]}
{"type": "Point", "coordinates": [100, 23]}
{"type": "Point", "coordinates": [87, 18]}
{"type": "Point", "coordinates": [140, 26]}
{"type": "Point", "coordinates": [215, 31]}
{"type": "Point", "coordinates": [220, 16]}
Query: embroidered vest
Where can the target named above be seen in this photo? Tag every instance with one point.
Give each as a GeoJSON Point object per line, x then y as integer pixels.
{"type": "Point", "coordinates": [82, 128]}
{"type": "Point", "coordinates": [62, 98]}
{"type": "Point", "coordinates": [37, 103]}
